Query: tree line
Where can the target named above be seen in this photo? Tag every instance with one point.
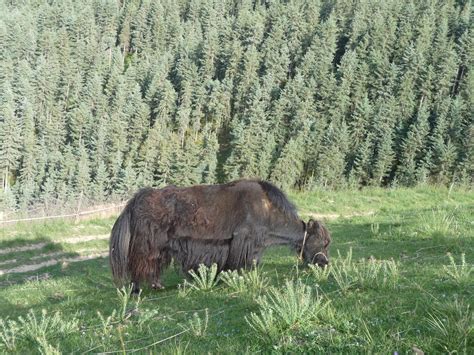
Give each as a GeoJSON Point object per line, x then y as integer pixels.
{"type": "Point", "coordinates": [101, 97]}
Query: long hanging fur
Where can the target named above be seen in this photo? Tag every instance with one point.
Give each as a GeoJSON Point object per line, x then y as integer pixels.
{"type": "Point", "coordinates": [119, 246]}
{"type": "Point", "coordinates": [121, 238]}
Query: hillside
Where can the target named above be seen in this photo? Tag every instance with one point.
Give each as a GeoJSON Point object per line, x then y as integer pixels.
{"type": "Point", "coordinates": [98, 98]}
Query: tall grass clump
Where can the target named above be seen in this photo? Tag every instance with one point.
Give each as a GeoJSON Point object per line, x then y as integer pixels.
{"type": "Point", "coordinates": [460, 274]}
{"type": "Point", "coordinates": [319, 274]}
{"type": "Point", "coordinates": [366, 273]}
{"type": "Point", "coordinates": [197, 325]}
{"type": "Point", "coordinates": [284, 310]}
{"type": "Point", "coordinates": [251, 281]}
{"type": "Point", "coordinates": [439, 224]}
{"type": "Point", "coordinates": [46, 326]}
{"type": "Point", "coordinates": [9, 332]}
{"type": "Point", "coordinates": [452, 326]}
{"type": "Point", "coordinates": [36, 330]}
{"type": "Point", "coordinates": [205, 279]}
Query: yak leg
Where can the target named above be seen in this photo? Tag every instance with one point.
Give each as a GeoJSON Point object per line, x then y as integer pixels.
{"type": "Point", "coordinates": [158, 264]}
{"type": "Point", "coordinates": [135, 285]}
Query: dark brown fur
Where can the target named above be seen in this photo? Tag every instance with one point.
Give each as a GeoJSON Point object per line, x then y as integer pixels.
{"type": "Point", "coordinates": [229, 225]}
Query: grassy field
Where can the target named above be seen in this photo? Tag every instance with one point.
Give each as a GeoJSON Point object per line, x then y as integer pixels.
{"type": "Point", "coordinates": [401, 280]}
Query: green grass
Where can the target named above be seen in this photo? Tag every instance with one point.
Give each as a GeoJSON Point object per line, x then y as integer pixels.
{"type": "Point", "coordinates": [401, 276]}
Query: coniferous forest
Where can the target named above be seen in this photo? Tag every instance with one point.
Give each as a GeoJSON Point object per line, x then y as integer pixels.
{"type": "Point", "coordinates": [101, 97]}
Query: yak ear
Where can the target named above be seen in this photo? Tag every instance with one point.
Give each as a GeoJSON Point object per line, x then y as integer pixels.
{"type": "Point", "coordinates": [314, 225]}
{"type": "Point", "coordinates": [311, 223]}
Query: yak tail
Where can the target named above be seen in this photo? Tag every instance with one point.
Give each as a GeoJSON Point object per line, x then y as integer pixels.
{"type": "Point", "coordinates": [119, 245]}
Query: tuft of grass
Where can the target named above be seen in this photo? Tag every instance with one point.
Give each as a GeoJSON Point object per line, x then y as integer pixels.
{"type": "Point", "coordinates": [439, 224]}
{"type": "Point", "coordinates": [124, 295]}
{"type": "Point", "coordinates": [205, 279]}
{"type": "Point", "coordinates": [9, 331]}
{"type": "Point", "coordinates": [39, 330]}
{"type": "Point", "coordinates": [452, 326]}
{"type": "Point", "coordinates": [367, 273]}
{"type": "Point", "coordinates": [319, 273]}
{"type": "Point", "coordinates": [106, 324]}
{"type": "Point", "coordinates": [197, 325]}
{"type": "Point", "coordinates": [284, 310]}
{"type": "Point", "coordinates": [460, 274]}
{"type": "Point", "coordinates": [251, 281]}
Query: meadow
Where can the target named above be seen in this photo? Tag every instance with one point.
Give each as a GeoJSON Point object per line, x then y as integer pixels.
{"type": "Point", "coordinates": [401, 280]}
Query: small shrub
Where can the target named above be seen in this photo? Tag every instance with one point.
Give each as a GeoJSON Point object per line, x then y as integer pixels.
{"type": "Point", "coordinates": [460, 274]}
{"type": "Point", "coordinates": [452, 326]}
{"type": "Point", "coordinates": [205, 279]}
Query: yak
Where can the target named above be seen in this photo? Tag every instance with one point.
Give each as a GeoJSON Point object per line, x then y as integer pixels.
{"type": "Point", "coordinates": [226, 224]}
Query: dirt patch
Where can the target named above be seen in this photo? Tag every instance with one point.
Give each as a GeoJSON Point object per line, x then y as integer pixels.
{"type": "Point", "coordinates": [86, 238]}
{"type": "Point", "coordinates": [72, 240]}
{"type": "Point", "coordinates": [22, 248]}
{"type": "Point", "coordinates": [51, 262]}
{"type": "Point", "coordinates": [330, 216]}
{"type": "Point", "coordinates": [10, 261]}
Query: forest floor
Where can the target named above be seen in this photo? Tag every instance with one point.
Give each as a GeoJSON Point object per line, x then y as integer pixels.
{"type": "Point", "coordinates": [401, 280]}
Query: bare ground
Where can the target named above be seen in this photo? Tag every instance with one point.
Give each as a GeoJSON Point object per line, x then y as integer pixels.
{"type": "Point", "coordinates": [51, 262]}
{"type": "Point", "coordinates": [55, 257]}
{"type": "Point", "coordinates": [331, 216]}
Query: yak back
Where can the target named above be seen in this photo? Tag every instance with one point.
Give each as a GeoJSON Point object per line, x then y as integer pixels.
{"type": "Point", "coordinates": [213, 211]}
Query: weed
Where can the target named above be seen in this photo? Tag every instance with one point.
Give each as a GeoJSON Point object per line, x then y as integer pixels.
{"type": "Point", "coordinates": [342, 271]}
{"type": "Point", "coordinates": [39, 329]}
{"type": "Point", "coordinates": [319, 273]}
{"type": "Point", "coordinates": [9, 332]}
{"type": "Point", "coordinates": [375, 229]}
{"type": "Point", "coordinates": [366, 273]}
{"type": "Point", "coordinates": [460, 274]}
{"type": "Point", "coordinates": [124, 295]}
{"type": "Point", "coordinates": [106, 323]}
{"type": "Point", "coordinates": [439, 224]}
{"type": "Point", "coordinates": [452, 326]}
{"type": "Point", "coordinates": [292, 307]}
{"type": "Point", "coordinates": [184, 289]}
{"type": "Point", "coordinates": [45, 348]}
{"type": "Point", "coordinates": [251, 281]}
{"type": "Point", "coordinates": [205, 279]}
{"type": "Point", "coordinates": [197, 325]}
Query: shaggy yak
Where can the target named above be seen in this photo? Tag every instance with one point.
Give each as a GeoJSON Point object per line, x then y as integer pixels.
{"type": "Point", "coordinates": [229, 225]}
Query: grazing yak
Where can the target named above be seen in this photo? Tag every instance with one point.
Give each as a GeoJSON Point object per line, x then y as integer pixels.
{"type": "Point", "coordinates": [229, 225]}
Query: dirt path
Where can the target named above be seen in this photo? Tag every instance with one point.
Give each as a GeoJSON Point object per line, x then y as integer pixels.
{"type": "Point", "coordinates": [72, 240]}
{"type": "Point", "coordinates": [22, 248]}
{"type": "Point", "coordinates": [331, 216]}
{"type": "Point", "coordinates": [51, 262]}
{"type": "Point", "coordinates": [55, 257]}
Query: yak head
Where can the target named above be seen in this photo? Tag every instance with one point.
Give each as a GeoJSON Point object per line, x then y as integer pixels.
{"type": "Point", "coordinates": [315, 248]}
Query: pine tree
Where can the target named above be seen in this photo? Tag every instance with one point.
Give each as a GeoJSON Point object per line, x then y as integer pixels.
{"type": "Point", "coordinates": [10, 136]}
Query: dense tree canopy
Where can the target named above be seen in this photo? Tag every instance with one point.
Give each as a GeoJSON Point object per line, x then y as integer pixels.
{"type": "Point", "coordinates": [100, 97]}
